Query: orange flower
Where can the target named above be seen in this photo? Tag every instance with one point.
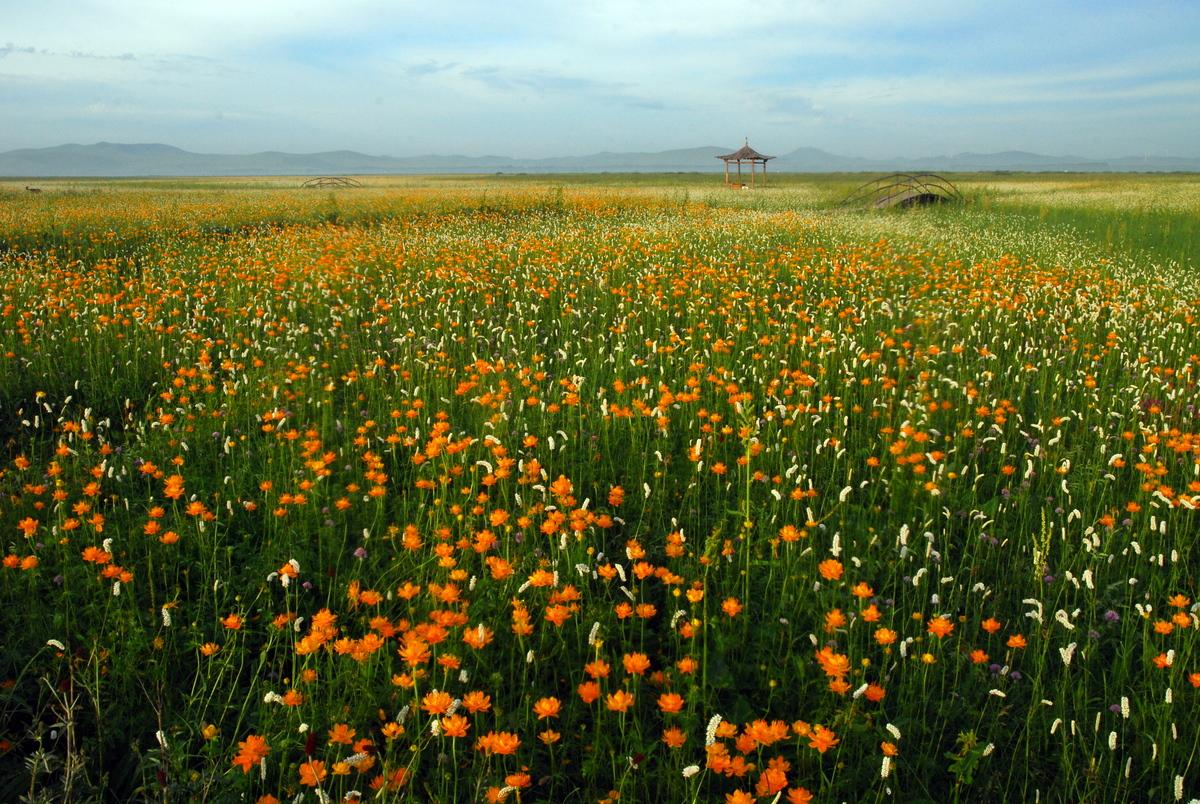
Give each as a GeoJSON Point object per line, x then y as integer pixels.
{"type": "Point", "coordinates": [871, 614]}
{"type": "Point", "coordinates": [547, 707]}
{"type": "Point", "coordinates": [1179, 601]}
{"type": "Point", "coordinates": [885, 636]}
{"type": "Point", "coordinates": [312, 773]}
{"type": "Point", "coordinates": [341, 733]}
{"type": "Point", "coordinates": [635, 663]}
{"type": "Point", "coordinates": [834, 664]}
{"type": "Point", "coordinates": [830, 569]}
{"type": "Point", "coordinates": [549, 736]}
{"type": "Point", "coordinates": [209, 648]}
{"type": "Point", "coordinates": [233, 622]}
{"type": "Point", "coordinates": [770, 782]}
{"type": "Point", "coordinates": [834, 620]}
{"type": "Point", "coordinates": [839, 685]}
{"type": "Point", "coordinates": [1194, 679]}
{"type": "Point", "coordinates": [96, 555]}
{"type": "Point", "coordinates": [251, 752]}
{"type": "Point", "coordinates": [739, 797]}
{"type": "Point", "coordinates": [437, 703]}
{"type": "Point", "coordinates": [589, 691]}
{"type": "Point", "coordinates": [991, 625]}
{"type": "Point", "coordinates": [1164, 627]}
{"type": "Point", "coordinates": [940, 627]}
{"type": "Point", "coordinates": [875, 692]}
{"type": "Point", "coordinates": [978, 656]}
{"type": "Point", "coordinates": [1162, 660]}
{"type": "Point", "coordinates": [674, 738]}
{"type": "Point", "coordinates": [477, 701]}
{"type": "Point", "coordinates": [823, 739]}
{"type": "Point", "coordinates": [798, 795]}
{"type": "Point", "coordinates": [498, 743]}
{"type": "Point", "coordinates": [597, 669]}
{"type": "Point", "coordinates": [731, 606]}
{"type": "Point", "coordinates": [889, 749]}
{"type": "Point", "coordinates": [862, 589]}
{"type": "Point", "coordinates": [414, 652]}
{"type": "Point", "coordinates": [670, 702]}
{"type": "Point", "coordinates": [619, 701]}
{"type": "Point", "coordinates": [1017, 641]}
{"type": "Point", "coordinates": [455, 726]}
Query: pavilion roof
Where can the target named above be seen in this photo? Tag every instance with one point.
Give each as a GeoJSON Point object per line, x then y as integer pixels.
{"type": "Point", "coordinates": [745, 153]}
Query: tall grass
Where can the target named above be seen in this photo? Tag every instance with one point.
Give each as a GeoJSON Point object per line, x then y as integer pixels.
{"type": "Point", "coordinates": [570, 494]}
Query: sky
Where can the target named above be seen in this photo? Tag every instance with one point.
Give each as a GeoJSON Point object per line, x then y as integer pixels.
{"type": "Point", "coordinates": [533, 78]}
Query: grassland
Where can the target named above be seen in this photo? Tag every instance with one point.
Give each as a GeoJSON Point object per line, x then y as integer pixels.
{"type": "Point", "coordinates": [586, 489]}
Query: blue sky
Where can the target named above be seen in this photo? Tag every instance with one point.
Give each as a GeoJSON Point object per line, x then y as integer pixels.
{"type": "Point", "coordinates": [529, 78]}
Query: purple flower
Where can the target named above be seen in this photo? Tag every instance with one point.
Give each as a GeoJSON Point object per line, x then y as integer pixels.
{"type": "Point", "coordinates": [1112, 617]}
{"type": "Point", "coordinates": [360, 553]}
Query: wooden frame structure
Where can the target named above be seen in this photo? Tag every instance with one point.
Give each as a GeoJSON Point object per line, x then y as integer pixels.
{"type": "Point", "coordinates": [904, 190]}
{"type": "Point", "coordinates": [746, 154]}
{"type": "Point", "coordinates": [332, 181]}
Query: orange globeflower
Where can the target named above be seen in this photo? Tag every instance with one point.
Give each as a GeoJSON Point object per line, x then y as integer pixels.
{"type": "Point", "coordinates": [341, 733]}
{"type": "Point", "coordinates": [549, 736]}
{"type": "Point", "coordinates": [834, 620]}
{"type": "Point", "coordinates": [978, 656]}
{"type": "Point", "coordinates": [885, 636]}
{"type": "Point", "coordinates": [312, 773]}
{"type": "Point", "coordinates": [589, 691]}
{"type": "Point", "coordinates": [862, 589]}
{"type": "Point", "coordinates": [1017, 641]}
{"type": "Point", "coordinates": [834, 664]}
{"type": "Point", "coordinates": [823, 739]}
{"type": "Point", "coordinates": [477, 701]}
{"type": "Point", "coordinates": [799, 795]}
{"type": "Point", "coordinates": [437, 703]}
{"type": "Point", "coordinates": [455, 726]}
{"type": "Point", "coordinates": [889, 749]}
{"type": "Point", "coordinates": [872, 614]}
{"type": "Point", "coordinates": [731, 606]}
{"type": "Point", "coordinates": [233, 622]}
{"type": "Point", "coordinates": [547, 707]}
{"type": "Point", "coordinates": [875, 692]}
{"type": "Point", "coordinates": [96, 555]}
{"type": "Point", "coordinates": [991, 625]}
{"type": "Point", "coordinates": [498, 743]}
{"type": "Point", "coordinates": [1179, 601]}
{"type": "Point", "coordinates": [597, 669]}
{"type": "Point", "coordinates": [670, 702]}
{"type": "Point", "coordinates": [940, 627]}
{"type": "Point", "coordinates": [415, 652]}
{"type": "Point", "coordinates": [771, 781]}
{"type": "Point", "coordinates": [674, 738]}
{"type": "Point", "coordinates": [830, 569]}
{"type": "Point", "coordinates": [619, 701]}
{"type": "Point", "coordinates": [636, 663]}
{"type": "Point", "coordinates": [251, 752]}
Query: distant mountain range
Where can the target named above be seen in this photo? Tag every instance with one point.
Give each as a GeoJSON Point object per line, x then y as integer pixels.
{"type": "Point", "coordinates": [110, 159]}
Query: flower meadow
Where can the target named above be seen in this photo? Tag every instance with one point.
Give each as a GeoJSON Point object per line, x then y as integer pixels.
{"type": "Point", "coordinates": [588, 495]}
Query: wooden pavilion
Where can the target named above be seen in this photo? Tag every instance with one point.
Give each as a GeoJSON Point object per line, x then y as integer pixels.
{"type": "Point", "coordinates": [746, 154]}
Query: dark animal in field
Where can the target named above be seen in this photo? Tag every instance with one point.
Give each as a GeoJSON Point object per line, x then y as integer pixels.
{"type": "Point", "coordinates": [33, 189]}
